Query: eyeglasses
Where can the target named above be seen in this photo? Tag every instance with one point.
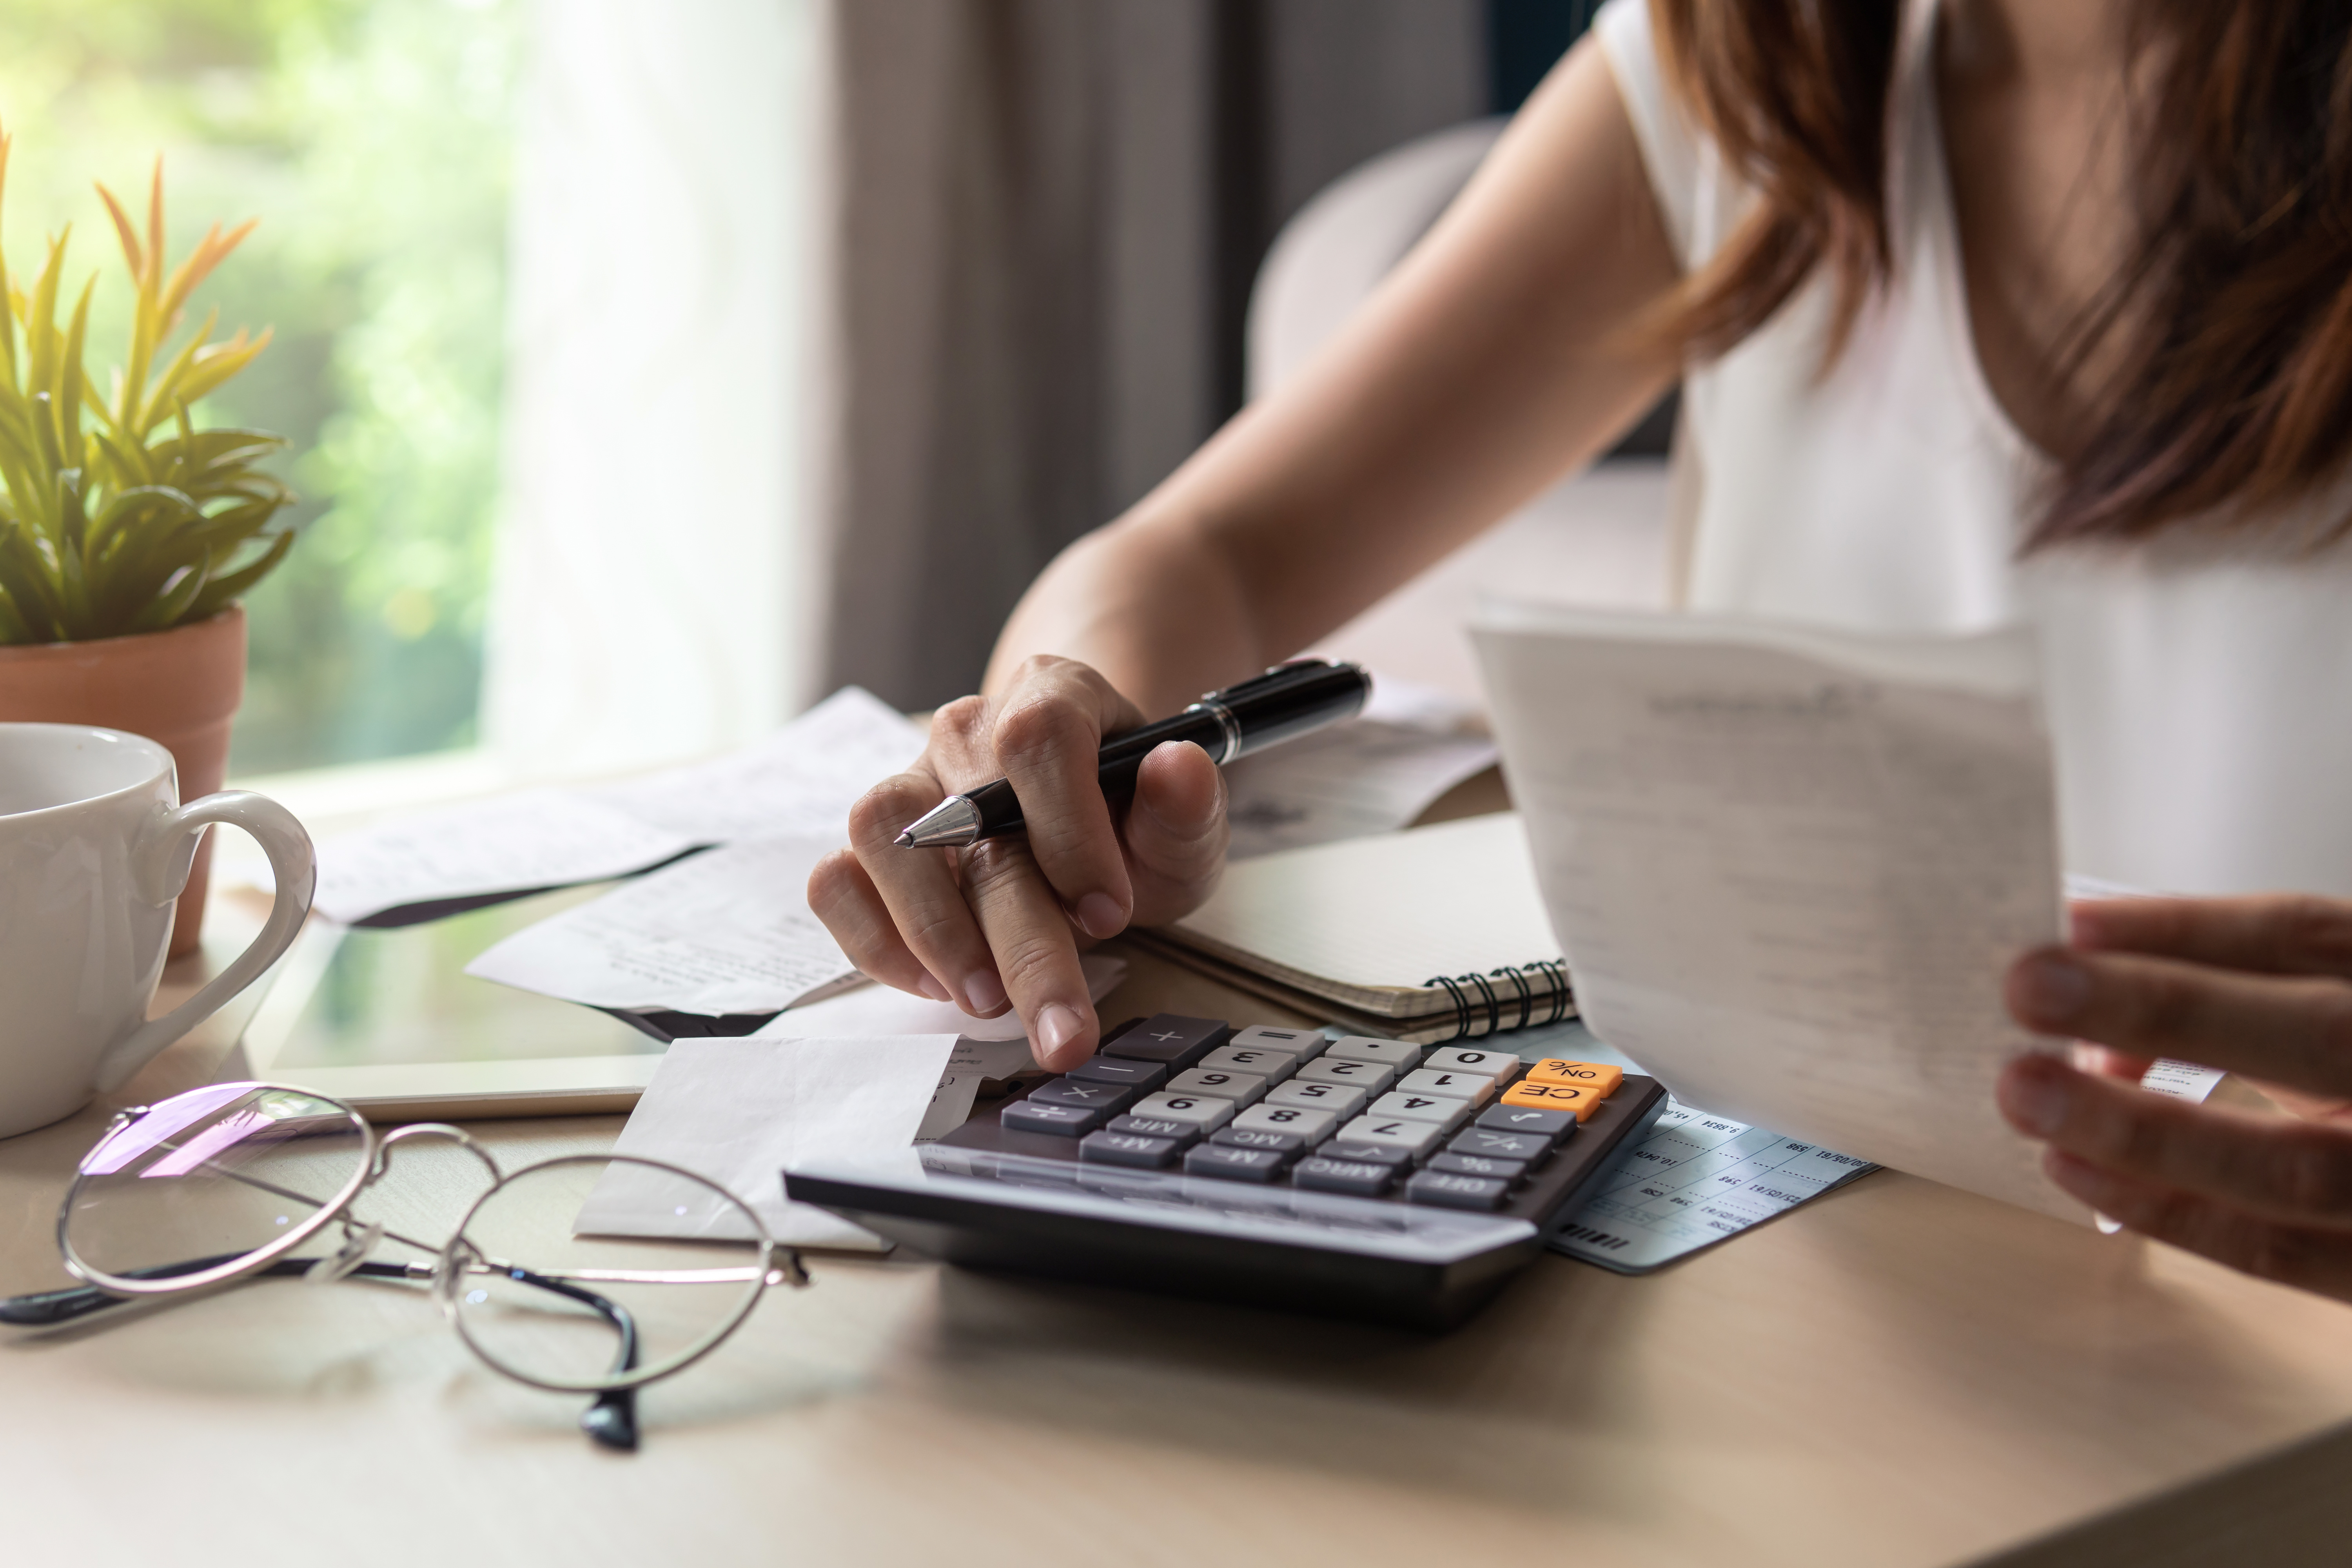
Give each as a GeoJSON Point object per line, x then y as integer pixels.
{"type": "Point", "coordinates": [228, 1182]}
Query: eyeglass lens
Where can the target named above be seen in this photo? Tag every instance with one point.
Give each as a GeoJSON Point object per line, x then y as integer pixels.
{"type": "Point", "coordinates": [208, 1178]}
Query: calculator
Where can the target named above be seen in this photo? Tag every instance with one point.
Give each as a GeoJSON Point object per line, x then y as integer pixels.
{"type": "Point", "coordinates": [1356, 1177]}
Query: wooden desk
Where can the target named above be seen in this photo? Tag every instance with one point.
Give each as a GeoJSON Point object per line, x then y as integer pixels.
{"type": "Point", "coordinates": [1897, 1374]}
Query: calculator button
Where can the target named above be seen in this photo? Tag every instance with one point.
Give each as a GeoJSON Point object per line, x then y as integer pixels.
{"type": "Point", "coordinates": [1108, 1148]}
{"type": "Point", "coordinates": [1065, 1120]}
{"type": "Point", "coordinates": [1447, 1190]}
{"type": "Point", "coordinates": [1446, 1113]}
{"type": "Point", "coordinates": [1166, 1037]}
{"type": "Point", "coordinates": [1202, 1110]}
{"type": "Point", "coordinates": [1289, 1145]}
{"type": "Point", "coordinates": [1577, 1099]}
{"type": "Point", "coordinates": [1599, 1077]}
{"type": "Point", "coordinates": [1415, 1138]}
{"type": "Point", "coordinates": [1499, 1066]}
{"type": "Point", "coordinates": [1339, 1098]}
{"type": "Point", "coordinates": [1184, 1133]}
{"type": "Point", "coordinates": [1500, 1145]}
{"type": "Point", "coordinates": [1271, 1066]}
{"type": "Point", "coordinates": [1356, 1177]}
{"type": "Point", "coordinates": [1372, 1077]}
{"type": "Point", "coordinates": [1475, 1165]}
{"type": "Point", "coordinates": [1398, 1160]}
{"type": "Point", "coordinates": [1111, 1096]}
{"type": "Point", "coordinates": [1140, 1076]}
{"type": "Point", "coordinates": [1476, 1087]}
{"type": "Point", "coordinates": [1241, 1087]}
{"type": "Point", "coordinates": [1528, 1118]}
{"type": "Point", "coordinates": [1233, 1165]}
{"type": "Point", "coordinates": [1300, 1043]}
{"type": "Point", "coordinates": [1297, 1120]}
{"type": "Point", "coordinates": [1395, 1054]}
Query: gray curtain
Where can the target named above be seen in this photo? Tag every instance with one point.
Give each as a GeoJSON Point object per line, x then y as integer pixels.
{"type": "Point", "coordinates": [1048, 215]}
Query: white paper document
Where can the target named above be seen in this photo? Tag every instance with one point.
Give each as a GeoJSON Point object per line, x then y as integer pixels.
{"type": "Point", "coordinates": [517, 843]}
{"type": "Point", "coordinates": [728, 930]}
{"type": "Point", "coordinates": [800, 780]}
{"type": "Point", "coordinates": [739, 1111]}
{"type": "Point", "coordinates": [1789, 869]}
{"type": "Point", "coordinates": [1374, 773]}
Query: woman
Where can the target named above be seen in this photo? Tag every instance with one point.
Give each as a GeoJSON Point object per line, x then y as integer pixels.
{"type": "Point", "coordinates": [1993, 309]}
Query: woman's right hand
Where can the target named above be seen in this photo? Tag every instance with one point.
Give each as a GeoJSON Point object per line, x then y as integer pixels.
{"type": "Point", "coordinates": [1001, 924]}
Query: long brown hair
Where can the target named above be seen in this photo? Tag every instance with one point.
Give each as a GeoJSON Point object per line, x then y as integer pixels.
{"type": "Point", "coordinates": [2232, 323]}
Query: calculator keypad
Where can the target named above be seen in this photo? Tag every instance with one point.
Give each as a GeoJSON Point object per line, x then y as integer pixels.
{"type": "Point", "coordinates": [1364, 1117]}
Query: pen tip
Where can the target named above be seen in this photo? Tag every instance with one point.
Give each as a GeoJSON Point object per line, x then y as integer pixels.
{"type": "Point", "coordinates": [904, 840]}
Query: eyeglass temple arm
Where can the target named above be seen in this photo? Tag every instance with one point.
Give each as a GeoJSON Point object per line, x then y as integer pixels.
{"type": "Point", "coordinates": [611, 1421]}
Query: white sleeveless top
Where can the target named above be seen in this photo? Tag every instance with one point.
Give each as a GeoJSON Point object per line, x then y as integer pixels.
{"type": "Point", "coordinates": [2199, 693]}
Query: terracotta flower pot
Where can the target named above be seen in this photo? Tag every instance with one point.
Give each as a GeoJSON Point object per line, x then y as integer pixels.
{"type": "Point", "coordinates": [179, 688]}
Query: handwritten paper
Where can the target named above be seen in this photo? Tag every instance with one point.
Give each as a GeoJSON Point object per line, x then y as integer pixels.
{"type": "Point", "coordinates": [728, 930]}
{"type": "Point", "coordinates": [1373, 773]}
{"type": "Point", "coordinates": [738, 1112]}
{"type": "Point", "coordinates": [800, 780]}
{"type": "Point", "coordinates": [1789, 869]}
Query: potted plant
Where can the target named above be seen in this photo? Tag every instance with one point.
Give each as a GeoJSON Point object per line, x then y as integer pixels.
{"type": "Point", "coordinates": [127, 534]}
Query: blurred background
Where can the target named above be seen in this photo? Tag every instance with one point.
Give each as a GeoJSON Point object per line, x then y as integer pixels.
{"type": "Point", "coordinates": [652, 368]}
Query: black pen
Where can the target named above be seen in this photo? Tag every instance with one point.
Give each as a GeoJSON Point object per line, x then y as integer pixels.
{"type": "Point", "coordinates": [1287, 700]}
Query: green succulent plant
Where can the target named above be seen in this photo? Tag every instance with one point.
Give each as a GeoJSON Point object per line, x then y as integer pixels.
{"type": "Point", "coordinates": [118, 514]}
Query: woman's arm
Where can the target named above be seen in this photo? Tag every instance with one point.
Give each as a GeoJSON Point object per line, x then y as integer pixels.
{"type": "Point", "coordinates": [1497, 357]}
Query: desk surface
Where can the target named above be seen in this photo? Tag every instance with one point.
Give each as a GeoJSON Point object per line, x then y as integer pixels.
{"type": "Point", "coordinates": [1899, 1373]}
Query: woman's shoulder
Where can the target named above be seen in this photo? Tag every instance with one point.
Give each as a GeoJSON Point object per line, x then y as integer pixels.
{"type": "Point", "coordinates": [1675, 152]}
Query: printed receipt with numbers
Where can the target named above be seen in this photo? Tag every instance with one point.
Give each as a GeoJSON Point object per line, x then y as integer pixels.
{"type": "Point", "coordinates": [1694, 1180]}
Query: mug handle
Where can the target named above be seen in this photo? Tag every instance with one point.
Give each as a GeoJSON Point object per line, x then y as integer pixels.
{"type": "Point", "coordinates": [160, 859]}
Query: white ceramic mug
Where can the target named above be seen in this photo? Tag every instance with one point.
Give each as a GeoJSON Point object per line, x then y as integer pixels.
{"type": "Point", "coordinates": [94, 849]}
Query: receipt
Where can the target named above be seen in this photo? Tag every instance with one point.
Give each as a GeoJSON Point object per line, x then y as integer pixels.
{"type": "Point", "coordinates": [738, 1112]}
{"type": "Point", "coordinates": [728, 930]}
{"type": "Point", "coordinates": [800, 781]}
{"type": "Point", "coordinates": [519, 843]}
{"type": "Point", "coordinates": [1373, 773]}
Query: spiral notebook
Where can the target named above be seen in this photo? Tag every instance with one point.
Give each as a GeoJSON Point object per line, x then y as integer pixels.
{"type": "Point", "coordinates": [1435, 933]}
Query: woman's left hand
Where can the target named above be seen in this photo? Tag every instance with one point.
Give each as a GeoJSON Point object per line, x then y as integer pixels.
{"type": "Point", "coordinates": [2259, 986]}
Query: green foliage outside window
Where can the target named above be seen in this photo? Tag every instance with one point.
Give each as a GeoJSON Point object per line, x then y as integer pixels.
{"type": "Point", "coordinates": [371, 138]}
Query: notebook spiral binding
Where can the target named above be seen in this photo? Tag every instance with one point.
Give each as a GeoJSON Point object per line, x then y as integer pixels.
{"type": "Point", "coordinates": [1466, 1009]}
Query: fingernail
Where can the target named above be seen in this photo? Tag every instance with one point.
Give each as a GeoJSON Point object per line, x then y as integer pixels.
{"type": "Point", "coordinates": [1100, 914]}
{"type": "Point", "coordinates": [2054, 989]}
{"type": "Point", "coordinates": [983, 992]}
{"type": "Point", "coordinates": [929, 986]}
{"type": "Point", "coordinates": [1056, 1026]}
{"type": "Point", "coordinates": [2033, 1097]}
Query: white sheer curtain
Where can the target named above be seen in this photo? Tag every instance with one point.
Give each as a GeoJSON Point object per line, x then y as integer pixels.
{"type": "Point", "coordinates": [650, 597]}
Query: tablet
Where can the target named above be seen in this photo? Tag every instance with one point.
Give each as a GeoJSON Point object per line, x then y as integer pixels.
{"type": "Point", "coordinates": [388, 1021]}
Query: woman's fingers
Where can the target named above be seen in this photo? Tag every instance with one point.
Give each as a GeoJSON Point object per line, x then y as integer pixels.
{"type": "Point", "coordinates": [1046, 736]}
{"type": "Point", "coordinates": [2272, 933]}
{"type": "Point", "coordinates": [2293, 1029]}
{"type": "Point", "coordinates": [1176, 832]}
{"type": "Point", "coordinates": [2291, 1173]}
{"type": "Point", "coordinates": [2312, 1258]}
{"type": "Point", "coordinates": [1036, 950]}
{"type": "Point", "coordinates": [921, 901]}
{"type": "Point", "coordinates": [845, 898]}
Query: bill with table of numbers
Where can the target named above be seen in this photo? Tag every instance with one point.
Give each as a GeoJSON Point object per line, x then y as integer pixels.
{"type": "Point", "coordinates": [1694, 1180]}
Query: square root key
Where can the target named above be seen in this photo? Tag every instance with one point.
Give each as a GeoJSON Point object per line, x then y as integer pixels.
{"type": "Point", "coordinates": [1535, 1119]}
{"type": "Point", "coordinates": [1166, 1037]}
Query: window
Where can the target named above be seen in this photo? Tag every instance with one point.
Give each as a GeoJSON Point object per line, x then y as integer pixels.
{"type": "Point", "coordinates": [372, 139]}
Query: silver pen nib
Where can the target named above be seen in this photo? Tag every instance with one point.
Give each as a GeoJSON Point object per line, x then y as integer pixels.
{"type": "Point", "coordinates": [951, 825]}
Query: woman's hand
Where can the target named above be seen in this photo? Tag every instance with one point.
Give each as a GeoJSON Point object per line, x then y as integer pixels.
{"type": "Point", "coordinates": [2260, 987]}
{"type": "Point", "coordinates": [1000, 923]}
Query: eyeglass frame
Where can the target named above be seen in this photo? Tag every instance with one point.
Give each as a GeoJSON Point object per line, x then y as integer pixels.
{"type": "Point", "coordinates": [446, 1270]}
